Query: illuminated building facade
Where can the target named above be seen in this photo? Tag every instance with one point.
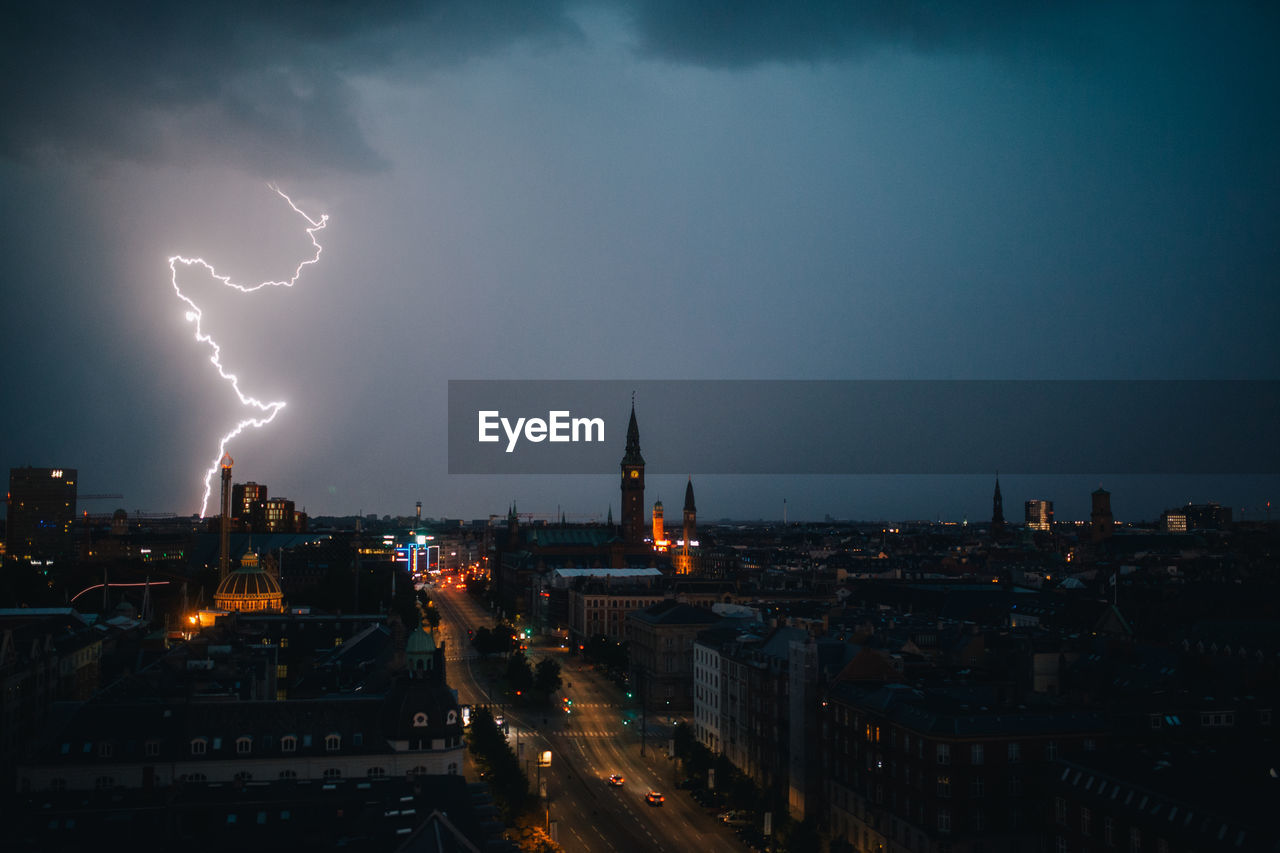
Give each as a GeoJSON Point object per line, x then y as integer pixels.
{"type": "Point", "coordinates": [659, 529]}
{"type": "Point", "coordinates": [42, 509]}
{"type": "Point", "coordinates": [278, 515]}
{"type": "Point", "coordinates": [1038, 515]}
{"type": "Point", "coordinates": [249, 589]}
{"type": "Point", "coordinates": [247, 501]}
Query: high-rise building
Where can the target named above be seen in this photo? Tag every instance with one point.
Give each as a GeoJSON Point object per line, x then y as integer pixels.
{"type": "Point", "coordinates": [279, 515]}
{"type": "Point", "coordinates": [633, 526]}
{"type": "Point", "coordinates": [247, 503]}
{"type": "Point", "coordinates": [42, 510]}
{"type": "Point", "coordinates": [1038, 515]}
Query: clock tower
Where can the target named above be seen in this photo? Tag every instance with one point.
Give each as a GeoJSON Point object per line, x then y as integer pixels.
{"type": "Point", "coordinates": [633, 525]}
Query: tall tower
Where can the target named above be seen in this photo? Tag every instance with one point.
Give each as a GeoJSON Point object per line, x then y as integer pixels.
{"type": "Point", "coordinates": [633, 527]}
{"type": "Point", "coordinates": [659, 529]}
{"type": "Point", "coordinates": [224, 527]}
{"type": "Point", "coordinates": [1101, 522]}
{"type": "Point", "coordinates": [997, 510]}
{"type": "Point", "coordinates": [690, 517]}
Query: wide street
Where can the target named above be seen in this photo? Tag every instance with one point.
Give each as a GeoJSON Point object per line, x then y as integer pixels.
{"type": "Point", "coordinates": [587, 745]}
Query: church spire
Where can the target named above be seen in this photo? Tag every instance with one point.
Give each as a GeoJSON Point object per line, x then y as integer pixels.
{"type": "Point", "coordinates": [632, 455]}
{"type": "Point", "coordinates": [997, 509]}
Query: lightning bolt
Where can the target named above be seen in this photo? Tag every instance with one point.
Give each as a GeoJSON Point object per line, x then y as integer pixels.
{"type": "Point", "coordinates": [268, 410]}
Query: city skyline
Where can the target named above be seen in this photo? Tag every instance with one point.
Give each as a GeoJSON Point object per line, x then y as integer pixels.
{"type": "Point", "coordinates": [622, 190]}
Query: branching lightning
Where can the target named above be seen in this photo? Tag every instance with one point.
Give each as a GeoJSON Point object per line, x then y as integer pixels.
{"type": "Point", "coordinates": [267, 410]}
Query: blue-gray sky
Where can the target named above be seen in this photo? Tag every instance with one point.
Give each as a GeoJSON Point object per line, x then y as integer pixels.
{"type": "Point", "coordinates": [618, 189]}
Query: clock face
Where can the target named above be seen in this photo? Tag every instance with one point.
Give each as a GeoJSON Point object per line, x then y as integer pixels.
{"type": "Point", "coordinates": [635, 475]}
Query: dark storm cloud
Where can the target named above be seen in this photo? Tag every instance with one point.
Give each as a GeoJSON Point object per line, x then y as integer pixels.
{"type": "Point", "coordinates": [253, 81]}
{"type": "Point", "coordinates": [735, 33]}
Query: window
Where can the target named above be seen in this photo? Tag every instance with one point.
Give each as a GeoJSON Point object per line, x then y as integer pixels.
{"type": "Point", "coordinates": [57, 784]}
{"type": "Point", "coordinates": [152, 748]}
{"type": "Point", "coordinates": [244, 745]}
{"type": "Point", "coordinates": [332, 743]}
{"type": "Point", "coordinates": [194, 777]}
{"type": "Point", "coordinates": [376, 773]}
{"type": "Point", "coordinates": [944, 786]}
{"type": "Point", "coordinates": [199, 746]}
{"type": "Point", "coordinates": [1086, 822]}
{"type": "Point", "coordinates": [289, 743]}
{"type": "Point", "coordinates": [1061, 845]}
{"type": "Point", "coordinates": [944, 753]}
{"type": "Point", "coordinates": [1135, 840]}
{"type": "Point", "coordinates": [1015, 752]}
{"type": "Point", "coordinates": [288, 774]}
{"type": "Point", "coordinates": [1050, 750]}
{"type": "Point", "coordinates": [1108, 836]}
{"type": "Point", "coordinates": [453, 768]}
{"type": "Point", "coordinates": [282, 670]}
{"type": "Point", "coordinates": [106, 750]}
{"type": "Point", "coordinates": [419, 720]}
{"type": "Point", "coordinates": [976, 754]}
{"type": "Point", "coordinates": [944, 820]}
{"type": "Point", "coordinates": [333, 773]}
{"type": "Point", "coordinates": [978, 786]}
{"type": "Point", "coordinates": [244, 776]}
{"type": "Point", "coordinates": [1060, 810]}
{"type": "Point", "coordinates": [418, 771]}
{"type": "Point", "coordinates": [104, 782]}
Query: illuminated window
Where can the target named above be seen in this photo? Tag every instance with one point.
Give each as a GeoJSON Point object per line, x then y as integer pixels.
{"type": "Point", "coordinates": [282, 670]}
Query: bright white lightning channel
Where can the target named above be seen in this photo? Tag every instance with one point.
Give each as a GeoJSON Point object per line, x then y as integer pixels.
{"type": "Point", "coordinates": [270, 409]}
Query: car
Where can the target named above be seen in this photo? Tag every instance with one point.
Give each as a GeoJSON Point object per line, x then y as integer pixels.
{"type": "Point", "coordinates": [653, 798]}
{"type": "Point", "coordinates": [616, 781]}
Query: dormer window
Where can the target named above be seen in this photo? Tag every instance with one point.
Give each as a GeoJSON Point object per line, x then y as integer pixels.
{"type": "Point", "coordinates": [332, 743]}
{"type": "Point", "coordinates": [244, 745]}
{"type": "Point", "coordinates": [419, 720]}
{"type": "Point", "coordinates": [452, 718]}
{"type": "Point", "coordinates": [199, 746]}
{"type": "Point", "coordinates": [289, 743]}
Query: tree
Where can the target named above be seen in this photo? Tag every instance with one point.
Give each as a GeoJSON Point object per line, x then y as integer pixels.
{"type": "Point", "coordinates": [482, 641]}
{"type": "Point", "coordinates": [519, 673]}
{"type": "Point", "coordinates": [547, 679]}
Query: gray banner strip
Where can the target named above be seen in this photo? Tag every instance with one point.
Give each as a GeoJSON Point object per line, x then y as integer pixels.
{"type": "Point", "coordinates": [867, 426]}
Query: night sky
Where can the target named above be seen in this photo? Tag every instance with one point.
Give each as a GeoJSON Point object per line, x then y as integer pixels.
{"type": "Point", "coordinates": [619, 190]}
